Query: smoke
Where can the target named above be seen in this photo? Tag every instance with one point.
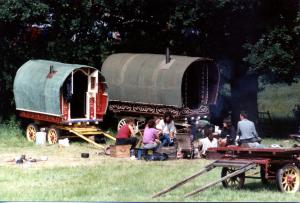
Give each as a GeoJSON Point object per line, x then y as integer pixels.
{"type": "Point", "coordinates": [223, 108]}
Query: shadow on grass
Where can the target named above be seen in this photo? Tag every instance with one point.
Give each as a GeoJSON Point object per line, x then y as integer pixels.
{"type": "Point", "coordinates": [258, 186]}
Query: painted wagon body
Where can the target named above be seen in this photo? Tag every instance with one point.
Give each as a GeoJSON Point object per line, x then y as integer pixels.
{"type": "Point", "coordinates": [146, 84]}
{"type": "Point", "coordinates": [56, 94]}
{"type": "Point", "coordinates": [60, 93]}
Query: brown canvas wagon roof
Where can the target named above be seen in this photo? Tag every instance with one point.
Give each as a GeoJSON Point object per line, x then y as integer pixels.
{"type": "Point", "coordinates": [146, 78]}
{"type": "Point", "coordinates": [33, 91]}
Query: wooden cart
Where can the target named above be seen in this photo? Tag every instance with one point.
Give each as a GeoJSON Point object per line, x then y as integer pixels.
{"type": "Point", "coordinates": [279, 164]}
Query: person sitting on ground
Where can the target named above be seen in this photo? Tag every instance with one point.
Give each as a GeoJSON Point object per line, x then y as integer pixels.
{"type": "Point", "coordinates": [151, 137]}
{"type": "Point", "coordinates": [228, 134]}
{"type": "Point", "coordinates": [167, 129]}
{"type": "Point", "coordinates": [208, 141]}
{"type": "Point", "coordinates": [125, 135]}
{"type": "Point", "coordinates": [246, 131]}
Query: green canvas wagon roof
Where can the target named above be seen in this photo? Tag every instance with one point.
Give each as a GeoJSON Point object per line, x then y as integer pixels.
{"type": "Point", "coordinates": [35, 92]}
{"type": "Point", "coordinates": [146, 78]}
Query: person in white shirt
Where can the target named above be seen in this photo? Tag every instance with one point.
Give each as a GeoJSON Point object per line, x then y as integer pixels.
{"type": "Point", "coordinates": [208, 141]}
{"type": "Point", "coordinates": [166, 129]}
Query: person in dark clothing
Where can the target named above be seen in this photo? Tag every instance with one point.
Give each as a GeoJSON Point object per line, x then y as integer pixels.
{"type": "Point", "coordinates": [228, 134]}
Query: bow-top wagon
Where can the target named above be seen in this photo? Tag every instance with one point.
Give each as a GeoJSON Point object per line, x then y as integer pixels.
{"type": "Point", "coordinates": [147, 85]}
{"type": "Point", "coordinates": [60, 96]}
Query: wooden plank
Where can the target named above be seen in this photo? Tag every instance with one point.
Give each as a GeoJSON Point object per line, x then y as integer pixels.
{"type": "Point", "coordinates": [87, 139]}
{"type": "Point", "coordinates": [182, 182]}
{"type": "Point", "coordinates": [109, 136]}
{"type": "Point", "coordinates": [87, 131]}
{"type": "Point", "coordinates": [235, 173]}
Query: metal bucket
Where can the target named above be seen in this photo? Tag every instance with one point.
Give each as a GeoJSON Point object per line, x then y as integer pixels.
{"type": "Point", "coordinates": [40, 138]}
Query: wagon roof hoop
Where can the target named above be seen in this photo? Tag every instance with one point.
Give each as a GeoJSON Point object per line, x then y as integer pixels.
{"type": "Point", "coordinates": [242, 166]}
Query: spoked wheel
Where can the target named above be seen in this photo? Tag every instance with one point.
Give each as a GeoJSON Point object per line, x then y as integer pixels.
{"type": "Point", "coordinates": [53, 135]}
{"type": "Point", "coordinates": [31, 132]}
{"type": "Point", "coordinates": [235, 182]}
{"type": "Point", "coordinates": [288, 179]}
{"type": "Point", "coordinates": [121, 123]}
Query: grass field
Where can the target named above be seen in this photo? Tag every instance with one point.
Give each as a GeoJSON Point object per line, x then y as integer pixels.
{"type": "Point", "coordinates": [66, 176]}
{"type": "Point", "coordinates": [279, 99]}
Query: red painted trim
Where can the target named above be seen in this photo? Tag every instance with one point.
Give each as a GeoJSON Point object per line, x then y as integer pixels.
{"type": "Point", "coordinates": [243, 149]}
{"type": "Point", "coordinates": [92, 107]}
{"type": "Point", "coordinates": [40, 117]}
{"type": "Point", "coordinates": [101, 101]}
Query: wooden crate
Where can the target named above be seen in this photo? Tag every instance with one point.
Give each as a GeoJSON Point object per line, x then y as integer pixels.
{"type": "Point", "coordinates": [120, 151]}
{"type": "Point", "coordinates": [184, 141]}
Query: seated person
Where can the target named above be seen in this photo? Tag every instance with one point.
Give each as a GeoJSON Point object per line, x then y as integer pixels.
{"type": "Point", "coordinates": [208, 141]}
{"type": "Point", "coordinates": [197, 133]}
{"type": "Point", "coordinates": [167, 129]}
{"type": "Point", "coordinates": [228, 134]}
{"type": "Point", "coordinates": [151, 137]}
{"type": "Point", "coordinates": [248, 136]}
{"type": "Point", "coordinates": [125, 135]}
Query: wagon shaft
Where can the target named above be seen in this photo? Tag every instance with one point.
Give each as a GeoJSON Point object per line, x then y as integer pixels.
{"type": "Point", "coordinates": [242, 169]}
{"type": "Point", "coordinates": [242, 166]}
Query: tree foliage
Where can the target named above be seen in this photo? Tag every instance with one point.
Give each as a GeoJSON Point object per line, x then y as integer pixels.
{"type": "Point", "coordinates": [80, 31]}
{"type": "Point", "coordinates": [273, 55]}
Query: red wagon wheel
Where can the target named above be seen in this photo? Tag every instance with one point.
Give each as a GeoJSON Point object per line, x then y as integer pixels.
{"type": "Point", "coordinates": [235, 182]}
{"type": "Point", "coordinates": [53, 135]}
{"type": "Point", "coordinates": [288, 179]}
{"type": "Point", "coordinates": [31, 132]}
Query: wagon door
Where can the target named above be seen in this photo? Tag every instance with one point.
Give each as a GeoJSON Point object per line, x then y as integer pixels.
{"type": "Point", "coordinates": [101, 98]}
{"type": "Point", "coordinates": [80, 87]}
{"type": "Point", "coordinates": [91, 95]}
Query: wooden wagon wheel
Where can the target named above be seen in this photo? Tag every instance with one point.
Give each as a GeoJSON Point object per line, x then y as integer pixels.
{"type": "Point", "coordinates": [53, 135]}
{"type": "Point", "coordinates": [31, 132]}
{"type": "Point", "coordinates": [121, 123]}
{"type": "Point", "coordinates": [235, 182]}
{"type": "Point", "coordinates": [288, 179]}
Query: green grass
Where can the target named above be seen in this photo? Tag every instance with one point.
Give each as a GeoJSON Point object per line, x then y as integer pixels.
{"type": "Point", "coordinates": [279, 99]}
{"type": "Point", "coordinates": [66, 176]}
{"type": "Point", "coordinates": [124, 180]}
{"type": "Point", "coordinates": [11, 134]}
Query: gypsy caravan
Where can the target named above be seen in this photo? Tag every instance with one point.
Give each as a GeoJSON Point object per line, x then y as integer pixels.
{"type": "Point", "coordinates": [147, 85]}
{"type": "Point", "coordinates": [60, 97]}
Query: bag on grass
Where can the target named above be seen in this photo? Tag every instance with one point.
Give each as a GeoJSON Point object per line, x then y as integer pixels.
{"type": "Point", "coordinates": [156, 157]}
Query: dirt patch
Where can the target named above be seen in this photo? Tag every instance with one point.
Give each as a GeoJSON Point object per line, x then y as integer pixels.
{"type": "Point", "coordinates": [56, 156]}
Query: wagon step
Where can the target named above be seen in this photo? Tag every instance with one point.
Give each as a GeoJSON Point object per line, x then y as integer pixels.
{"type": "Point", "coordinates": [242, 166]}
{"type": "Point", "coordinates": [84, 132]}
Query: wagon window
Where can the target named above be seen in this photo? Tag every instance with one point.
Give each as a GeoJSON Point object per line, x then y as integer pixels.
{"type": "Point", "coordinates": [93, 82]}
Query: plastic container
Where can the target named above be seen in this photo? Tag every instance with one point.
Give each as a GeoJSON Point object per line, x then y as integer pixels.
{"type": "Point", "coordinates": [40, 138]}
{"type": "Point", "coordinates": [64, 142]}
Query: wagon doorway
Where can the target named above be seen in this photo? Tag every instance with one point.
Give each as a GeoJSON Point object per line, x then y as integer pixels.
{"type": "Point", "coordinates": [78, 102]}
{"type": "Point", "coordinates": [199, 84]}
